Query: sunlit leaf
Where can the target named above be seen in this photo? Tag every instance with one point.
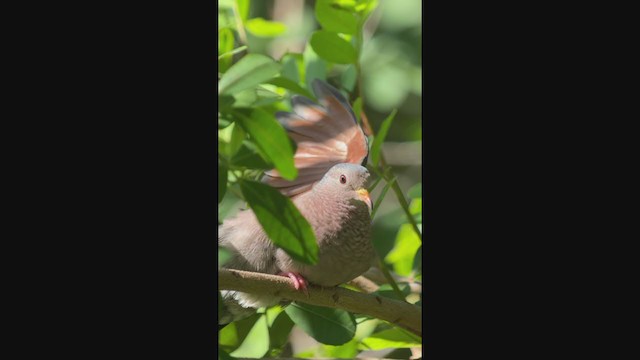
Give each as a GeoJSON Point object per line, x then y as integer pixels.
{"type": "Point", "coordinates": [265, 28]}
{"type": "Point", "coordinates": [379, 139]}
{"type": "Point", "coordinates": [234, 334]}
{"type": "Point", "coordinates": [391, 338]}
{"type": "Point", "coordinates": [256, 343]}
{"type": "Point", "coordinates": [243, 9]}
{"type": "Point", "coordinates": [366, 7]}
{"type": "Point", "coordinates": [333, 48]}
{"type": "Point", "coordinates": [402, 255]}
{"type": "Point", "coordinates": [344, 351]}
{"type": "Point", "coordinates": [272, 140]}
{"type": "Point", "coordinates": [250, 71]}
{"type": "Point", "coordinates": [282, 221]}
{"type": "Point", "coordinates": [326, 325]}
{"type": "Point", "coordinates": [225, 3]}
{"type": "Point", "coordinates": [415, 208]}
{"type": "Point", "coordinates": [335, 19]}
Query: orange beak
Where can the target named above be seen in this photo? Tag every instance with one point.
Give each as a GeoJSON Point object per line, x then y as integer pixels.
{"type": "Point", "coordinates": [363, 195]}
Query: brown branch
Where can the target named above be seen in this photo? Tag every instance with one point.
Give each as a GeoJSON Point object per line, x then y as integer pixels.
{"type": "Point", "coordinates": [364, 284]}
{"type": "Point", "coordinates": [397, 312]}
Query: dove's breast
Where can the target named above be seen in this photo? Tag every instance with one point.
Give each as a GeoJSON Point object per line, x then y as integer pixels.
{"type": "Point", "coordinates": [344, 240]}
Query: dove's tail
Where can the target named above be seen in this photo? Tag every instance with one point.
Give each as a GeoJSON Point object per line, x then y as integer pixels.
{"type": "Point", "coordinates": [238, 305]}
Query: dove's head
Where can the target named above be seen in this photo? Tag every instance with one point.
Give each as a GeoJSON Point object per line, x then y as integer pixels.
{"type": "Point", "coordinates": [347, 181]}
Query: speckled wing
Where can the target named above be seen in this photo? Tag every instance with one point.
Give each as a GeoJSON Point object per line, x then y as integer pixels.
{"type": "Point", "coordinates": [326, 134]}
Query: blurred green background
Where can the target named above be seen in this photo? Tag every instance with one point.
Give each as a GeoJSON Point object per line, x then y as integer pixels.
{"type": "Point", "coordinates": [391, 78]}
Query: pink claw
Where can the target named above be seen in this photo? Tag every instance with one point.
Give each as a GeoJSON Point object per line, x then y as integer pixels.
{"type": "Point", "coordinates": [299, 283]}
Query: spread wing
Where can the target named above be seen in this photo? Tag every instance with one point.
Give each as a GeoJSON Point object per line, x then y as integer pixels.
{"type": "Point", "coordinates": [326, 134]}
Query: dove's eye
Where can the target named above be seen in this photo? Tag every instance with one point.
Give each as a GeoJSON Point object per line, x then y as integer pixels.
{"type": "Point", "coordinates": [343, 179]}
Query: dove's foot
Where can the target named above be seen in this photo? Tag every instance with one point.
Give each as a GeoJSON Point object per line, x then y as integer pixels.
{"type": "Point", "coordinates": [298, 281]}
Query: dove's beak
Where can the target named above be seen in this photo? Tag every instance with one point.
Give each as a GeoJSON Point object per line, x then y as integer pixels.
{"type": "Point", "coordinates": [363, 194]}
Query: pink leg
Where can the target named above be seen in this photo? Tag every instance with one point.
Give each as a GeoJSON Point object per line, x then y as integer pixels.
{"type": "Point", "coordinates": [298, 281]}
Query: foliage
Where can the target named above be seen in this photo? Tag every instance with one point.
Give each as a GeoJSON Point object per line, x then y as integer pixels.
{"type": "Point", "coordinates": [252, 86]}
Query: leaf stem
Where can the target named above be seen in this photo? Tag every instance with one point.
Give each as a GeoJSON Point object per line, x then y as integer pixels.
{"type": "Point", "coordinates": [389, 277]}
{"type": "Point", "coordinates": [232, 52]}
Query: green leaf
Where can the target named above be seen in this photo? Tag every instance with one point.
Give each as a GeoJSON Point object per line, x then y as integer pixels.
{"type": "Point", "coordinates": [290, 85]}
{"type": "Point", "coordinates": [402, 255]}
{"type": "Point", "coordinates": [344, 351]}
{"type": "Point", "coordinates": [232, 335]}
{"type": "Point", "coordinates": [224, 121]}
{"type": "Point", "coordinates": [224, 255]}
{"type": "Point", "coordinates": [229, 54]}
{"type": "Point", "coordinates": [391, 338]}
{"type": "Point", "coordinates": [326, 325]}
{"type": "Point", "coordinates": [350, 349]}
{"type": "Point", "coordinates": [348, 77]}
{"type": "Point", "coordinates": [237, 137]}
{"type": "Point", "coordinates": [314, 66]}
{"type": "Point", "coordinates": [225, 102]}
{"type": "Point", "coordinates": [271, 139]}
{"type": "Point", "coordinates": [249, 157]}
{"type": "Point", "coordinates": [265, 28]}
{"type": "Point", "coordinates": [333, 48]}
{"type": "Point", "coordinates": [366, 7]}
{"type": "Point", "coordinates": [250, 71]}
{"type": "Point", "coordinates": [282, 221]}
{"type": "Point", "coordinates": [279, 331]}
{"type": "Point", "coordinates": [415, 208]}
{"type": "Point", "coordinates": [256, 344]}
{"type": "Point", "coordinates": [379, 139]}
{"type": "Point", "coordinates": [243, 9]}
{"type": "Point", "coordinates": [225, 45]}
{"type": "Point", "coordinates": [415, 191]}
{"type": "Point", "coordinates": [335, 19]}
{"type": "Point", "coordinates": [222, 180]}
{"type": "Point", "coordinates": [223, 355]}
{"type": "Point", "coordinates": [292, 67]}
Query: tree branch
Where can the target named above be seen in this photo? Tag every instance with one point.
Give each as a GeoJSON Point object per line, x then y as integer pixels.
{"type": "Point", "coordinates": [397, 312]}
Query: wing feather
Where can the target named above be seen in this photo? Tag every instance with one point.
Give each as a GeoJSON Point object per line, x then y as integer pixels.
{"type": "Point", "coordinates": [326, 134]}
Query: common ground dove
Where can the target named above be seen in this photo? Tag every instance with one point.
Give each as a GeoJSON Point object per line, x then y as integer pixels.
{"type": "Point", "coordinates": [329, 192]}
